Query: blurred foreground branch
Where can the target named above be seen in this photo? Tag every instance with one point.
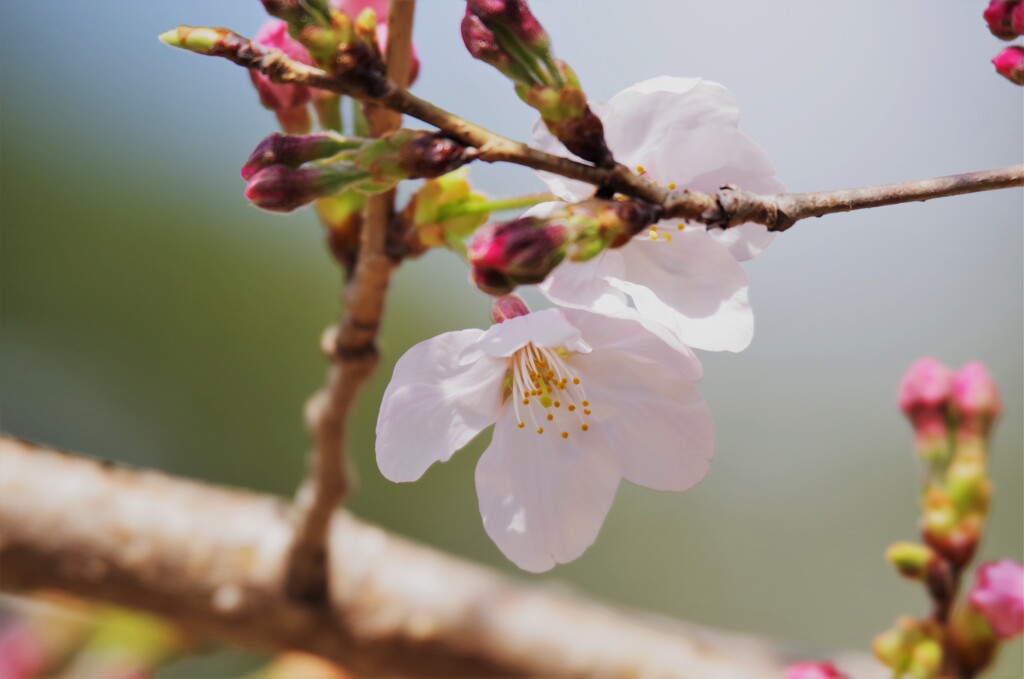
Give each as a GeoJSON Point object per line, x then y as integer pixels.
{"type": "Point", "coordinates": [352, 350]}
{"type": "Point", "coordinates": [213, 560]}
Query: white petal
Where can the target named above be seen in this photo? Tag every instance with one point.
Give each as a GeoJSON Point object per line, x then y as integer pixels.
{"type": "Point", "coordinates": [627, 334]}
{"type": "Point", "coordinates": [584, 285]}
{"type": "Point", "coordinates": [543, 498]}
{"type": "Point", "coordinates": [568, 190]}
{"type": "Point", "coordinates": [546, 328]}
{"type": "Point", "coordinates": [434, 404]}
{"type": "Point", "coordinates": [658, 423]}
{"type": "Point", "coordinates": [693, 287]}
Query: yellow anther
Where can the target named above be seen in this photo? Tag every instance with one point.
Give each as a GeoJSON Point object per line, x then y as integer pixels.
{"type": "Point", "coordinates": [640, 169]}
{"type": "Point", "coordinates": [671, 186]}
{"type": "Point", "coordinates": [681, 227]}
{"type": "Point", "coordinates": [565, 434]}
{"type": "Point", "coordinates": [571, 407]}
{"type": "Point", "coordinates": [558, 404]}
{"type": "Point", "coordinates": [540, 430]}
{"type": "Point", "coordinates": [521, 425]}
{"type": "Point", "coordinates": [550, 417]}
{"type": "Point", "coordinates": [668, 237]}
{"type": "Point", "coordinates": [585, 403]}
{"type": "Point", "coordinates": [654, 234]}
{"type": "Point", "coordinates": [586, 411]}
{"type": "Point", "coordinates": [526, 401]}
{"type": "Point", "coordinates": [584, 427]}
{"type": "Point", "coordinates": [575, 380]}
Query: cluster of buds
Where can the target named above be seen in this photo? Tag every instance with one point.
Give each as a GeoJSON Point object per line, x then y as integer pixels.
{"type": "Point", "coordinates": [525, 250]}
{"type": "Point", "coordinates": [442, 213]}
{"type": "Point", "coordinates": [506, 35]}
{"type": "Point", "coordinates": [1005, 19]}
{"type": "Point", "coordinates": [287, 172]}
{"type": "Point", "coordinates": [952, 415]}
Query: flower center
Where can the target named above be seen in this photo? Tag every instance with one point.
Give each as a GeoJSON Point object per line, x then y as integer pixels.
{"type": "Point", "coordinates": [546, 393]}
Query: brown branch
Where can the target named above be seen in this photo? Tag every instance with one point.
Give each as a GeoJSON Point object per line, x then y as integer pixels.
{"type": "Point", "coordinates": [728, 207]}
{"type": "Point", "coordinates": [352, 350]}
{"type": "Point", "coordinates": [213, 560]}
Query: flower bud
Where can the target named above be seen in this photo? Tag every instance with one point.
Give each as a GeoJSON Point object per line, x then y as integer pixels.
{"type": "Point", "coordinates": [999, 17]}
{"type": "Point", "coordinates": [288, 102]}
{"type": "Point", "coordinates": [482, 44]}
{"type": "Point", "coordinates": [911, 559]}
{"type": "Point", "coordinates": [440, 214]}
{"type": "Point", "coordinates": [342, 217]}
{"type": "Point", "coordinates": [895, 646]}
{"type": "Point", "coordinates": [924, 396]}
{"type": "Point", "coordinates": [353, 8]}
{"type": "Point", "coordinates": [513, 16]}
{"type": "Point", "coordinates": [998, 594]}
{"type": "Point", "coordinates": [508, 306]}
{"type": "Point", "coordinates": [520, 252]}
{"type": "Point", "coordinates": [410, 154]}
{"type": "Point", "coordinates": [23, 653]}
{"type": "Point", "coordinates": [282, 189]}
{"type": "Point", "coordinates": [1017, 18]}
{"type": "Point", "coordinates": [975, 400]}
{"type": "Point", "coordinates": [1010, 64]}
{"type": "Point", "coordinates": [813, 670]}
{"type": "Point", "coordinates": [292, 151]}
{"type": "Point", "coordinates": [967, 483]}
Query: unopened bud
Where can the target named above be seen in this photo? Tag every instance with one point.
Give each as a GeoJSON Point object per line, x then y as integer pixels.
{"type": "Point", "coordinates": [520, 252]}
{"type": "Point", "coordinates": [1010, 64]}
{"type": "Point", "coordinates": [513, 16]}
{"type": "Point", "coordinates": [294, 150]}
{"type": "Point", "coordinates": [910, 559]}
{"type": "Point", "coordinates": [341, 215]}
{"type": "Point", "coordinates": [482, 44]}
{"type": "Point", "coordinates": [999, 17]}
{"type": "Point", "coordinates": [441, 213]}
{"type": "Point", "coordinates": [566, 114]}
{"type": "Point", "coordinates": [998, 594]}
{"type": "Point", "coordinates": [508, 306]}
{"type": "Point", "coordinates": [924, 396]}
{"type": "Point", "coordinates": [1017, 18]}
{"type": "Point", "coordinates": [967, 483]}
{"type": "Point", "coordinates": [282, 189]}
{"type": "Point", "coordinates": [288, 102]}
{"type": "Point", "coordinates": [292, 11]}
{"type": "Point", "coordinates": [975, 400]}
{"type": "Point", "coordinates": [813, 670]}
{"type": "Point", "coordinates": [971, 639]}
{"type": "Point", "coordinates": [199, 39]}
{"type": "Point", "coordinates": [894, 646]}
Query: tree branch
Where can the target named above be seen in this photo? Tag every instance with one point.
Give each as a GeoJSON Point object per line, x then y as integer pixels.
{"type": "Point", "coordinates": [730, 206]}
{"type": "Point", "coordinates": [213, 560]}
{"type": "Point", "coordinates": [353, 353]}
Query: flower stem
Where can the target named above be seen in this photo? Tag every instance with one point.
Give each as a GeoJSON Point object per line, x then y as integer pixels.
{"type": "Point", "coordinates": [480, 207]}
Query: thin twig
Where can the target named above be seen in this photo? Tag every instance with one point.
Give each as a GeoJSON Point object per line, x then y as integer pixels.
{"type": "Point", "coordinates": [352, 350]}
{"type": "Point", "coordinates": [145, 540]}
{"type": "Point", "coordinates": [728, 207]}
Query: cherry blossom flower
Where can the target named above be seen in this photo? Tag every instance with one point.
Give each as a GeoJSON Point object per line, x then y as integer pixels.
{"type": "Point", "coordinates": [999, 594]}
{"type": "Point", "coordinates": [578, 402]}
{"type": "Point", "coordinates": [679, 132]}
{"type": "Point", "coordinates": [288, 102]}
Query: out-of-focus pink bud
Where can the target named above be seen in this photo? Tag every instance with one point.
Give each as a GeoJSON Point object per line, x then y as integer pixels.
{"type": "Point", "coordinates": [353, 8]}
{"type": "Point", "coordinates": [1017, 18]}
{"type": "Point", "coordinates": [23, 653]}
{"type": "Point", "coordinates": [924, 396]}
{"type": "Point", "coordinates": [999, 17]}
{"type": "Point", "coordinates": [509, 306]}
{"type": "Point", "coordinates": [514, 16]}
{"type": "Point", "coordinates": [975, 399]}
{"type": "Point", "coordinates": [282, 149]}
{"type": "Point", "coordinates": [520, 252]}
{"type": "Point", "coordinates": [279, 188]}
{"type": "Point", "coordinates": [999, 594]}
{"type": "Point", "coordinates": [289, 102]}
{"type": "Point", "coordinates": [813, 670]}
{"type": "Point", "coordinates": [1010, 64]}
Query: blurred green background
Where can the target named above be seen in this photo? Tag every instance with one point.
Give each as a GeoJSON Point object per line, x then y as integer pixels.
{"type": "Point", "coordinates": [150, 315]}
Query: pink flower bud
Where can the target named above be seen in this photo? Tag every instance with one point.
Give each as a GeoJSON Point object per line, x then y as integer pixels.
{"type": "Point", "coordinates": [999, 595]}
{"type": "Point", "coordinates": [23, 653]}
{"type": "Point", "coordinates": [513, 15]}
{"type": "Point", "coordinates": [813, 670]}
{"type": "Point", "coordinates": [999, 17]}
{"type": "Point", "coordinates": [279, 188]}
{"type": "Point", "coordinates": [287, 101]}
{"type": "Point", "coordinates": [924, 396]}
{"type": "Point", "coordinates": [291, 150]}
{"type": "Point", "coordinates": [975, 399]}
{"type": "Point", "coordinates": [1010, 64]}
{"type": "Point", "coordinates": [509, 306]}
{"type": "Point", "coordinates": [520, 252]}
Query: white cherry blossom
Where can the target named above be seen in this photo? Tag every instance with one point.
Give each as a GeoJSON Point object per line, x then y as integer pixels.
{"type": "Point", "coordinates": [685, 278]}
{"type": "Point", "coordinates": [578, 402]}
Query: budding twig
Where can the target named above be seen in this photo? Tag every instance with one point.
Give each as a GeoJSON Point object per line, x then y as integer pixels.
{"type": "Point", "coordinates": [353, 353]}
{"type": "Point", "coordinates": [728, 207]}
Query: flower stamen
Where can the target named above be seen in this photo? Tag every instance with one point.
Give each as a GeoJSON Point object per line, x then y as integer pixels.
{"type": "Point", "coordinates": [536, 374]}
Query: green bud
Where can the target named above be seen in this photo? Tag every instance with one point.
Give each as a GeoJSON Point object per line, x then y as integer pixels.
{"type": "Point", "coordinates": [925, 659]}
{"type": "Point", "coordinates": [910, 559]}
{"type": "Point", "coordinates": [968, 484]}
{"type": "Point", "coordinates": [199, 39]}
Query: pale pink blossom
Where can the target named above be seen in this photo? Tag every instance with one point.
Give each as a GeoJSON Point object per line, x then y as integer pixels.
{"type": "Point", "coordinates": [999, 594]}
{"type": "Point", "coordinates": [288, 102]}
{"type": "Point", "coordinates": [681, 133]}
{"type": "Point", "coordinates": [578, 402]}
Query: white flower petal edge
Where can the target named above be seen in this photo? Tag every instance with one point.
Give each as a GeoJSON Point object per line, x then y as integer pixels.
{"type": "Point", "coordinates": [434, 405]}
{"type": "Point", "coordinates": [570, 423]}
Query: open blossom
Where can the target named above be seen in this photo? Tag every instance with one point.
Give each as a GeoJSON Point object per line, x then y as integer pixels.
{"type": "Point", "coordinates": [679, 132]}
{"type": "Point", "coordinates": [578, 402]}
{"type": "Point", "coordinates": [999, 594]}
